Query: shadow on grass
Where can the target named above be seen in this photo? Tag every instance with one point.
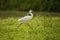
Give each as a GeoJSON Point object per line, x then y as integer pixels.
{"type": "Point", "coordinates": [49, 14]}
{"type": "Point", "coordinates": [17, 14]}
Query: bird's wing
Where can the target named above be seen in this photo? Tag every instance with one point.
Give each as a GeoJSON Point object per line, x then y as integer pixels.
{"type": "Point", "coordinates": [24, 18]}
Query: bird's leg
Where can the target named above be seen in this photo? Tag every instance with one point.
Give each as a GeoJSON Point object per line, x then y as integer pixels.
{"type": "Point", "coordinates": [19, 25]}
{"type": "Point", "coordinates": [29, 26]}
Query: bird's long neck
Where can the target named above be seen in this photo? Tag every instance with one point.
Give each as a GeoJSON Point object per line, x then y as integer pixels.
{"type": "Point", "coordinates": [31, 14]}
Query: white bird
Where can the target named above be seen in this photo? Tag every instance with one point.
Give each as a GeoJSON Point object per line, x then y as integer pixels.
{"type": "Point", "coordinates": [26, 18]}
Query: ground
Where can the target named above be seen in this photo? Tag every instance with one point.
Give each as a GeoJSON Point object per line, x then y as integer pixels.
{"type": "Point", "coordinates": [45, 26]}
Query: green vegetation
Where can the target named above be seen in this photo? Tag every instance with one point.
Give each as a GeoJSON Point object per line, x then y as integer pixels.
{"type": "Point", "coordinates": [41, 5]}
{"type": "Point", "coordinates": [44, 27]}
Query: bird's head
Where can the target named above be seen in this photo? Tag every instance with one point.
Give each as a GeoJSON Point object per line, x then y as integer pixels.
{"type": "Point", "coordinates": [30, 11]}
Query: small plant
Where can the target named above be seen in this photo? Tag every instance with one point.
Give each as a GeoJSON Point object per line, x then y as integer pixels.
{"type": "Point", "coordinates": [44, 28]}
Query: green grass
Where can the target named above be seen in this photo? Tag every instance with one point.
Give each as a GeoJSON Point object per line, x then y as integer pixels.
{"type": "Point", "coordinates": [43, 28]}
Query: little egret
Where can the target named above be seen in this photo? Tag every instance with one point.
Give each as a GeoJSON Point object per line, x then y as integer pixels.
{"type": "Point", "coordinates": [26, 18]}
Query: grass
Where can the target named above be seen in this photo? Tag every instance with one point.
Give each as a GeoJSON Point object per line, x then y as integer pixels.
{"type": "Point", "coordinates": [44, 27]}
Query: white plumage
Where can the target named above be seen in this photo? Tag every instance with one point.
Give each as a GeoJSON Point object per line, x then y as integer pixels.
{"type": "Point", "coordinates": [26, 18]}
